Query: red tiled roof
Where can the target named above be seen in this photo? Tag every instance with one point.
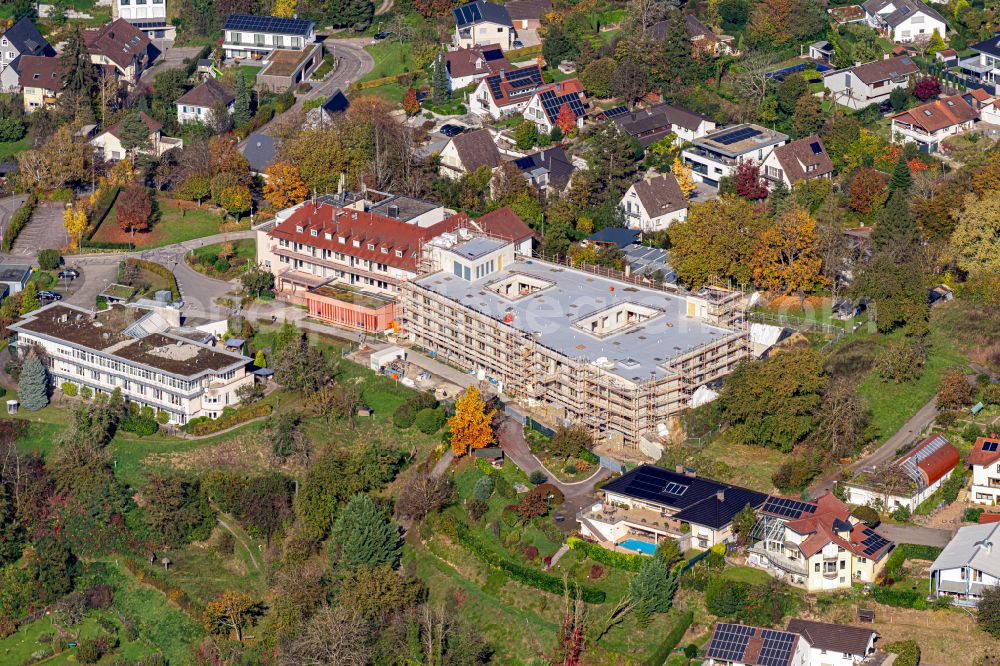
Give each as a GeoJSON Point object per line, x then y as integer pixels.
{"type": "Point", "coordinates": [980, 457]}
{"type": "Point", "coordinates": [941, 113]}
{"type": "Point", "coordinates": [508, 94]}
{"type": "Point", "coordinates": [119, 41]}
{"type": "Point", "coordinates": [40, 72]}
{"type": "Point", "coordinates": [820, 529]}
{"type": "Point", "coordinates": [462, 62]}
{"type": "Point", "coordinates": [504, 223]}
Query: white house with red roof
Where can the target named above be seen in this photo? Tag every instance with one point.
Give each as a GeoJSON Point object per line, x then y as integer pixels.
{"type": "Point", "coordinates": [984, 461]}
{"type": "Point", "coordinates": [506, 93]}
{"type": "Point", "coordinates": [909, 480]}
{"type": "Point", "coordinates": [466, 66]}
{"type": "Point", "coordinates": [816, 545]}
{"type": "Point", "coordinates": [110, 144]}
{"type": "Point", "coordinates": [547, 103]}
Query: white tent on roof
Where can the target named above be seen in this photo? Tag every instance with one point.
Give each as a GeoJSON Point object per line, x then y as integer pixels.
{"type": "Point", "coordinates": [702, 396]}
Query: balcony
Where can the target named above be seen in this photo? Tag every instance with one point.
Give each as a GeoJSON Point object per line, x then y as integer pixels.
{"type": "Point", "coordinates": [831, 575]}
{"type": "Point", "coordinates": [643, 519]}
{"type": "Point", "coordinates": [780, 560]}
{"type": "Point", "coordinates": [972, 64]}
{"type": "Point", "coordinates": [710, 156]}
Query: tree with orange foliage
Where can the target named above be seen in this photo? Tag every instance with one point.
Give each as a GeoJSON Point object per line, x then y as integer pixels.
{"type": "Point", "coordinates": [284, 186]}
{"type": "Point", "coordinates": [410, 103]}
{"type": "Point", "coordinates": [566, 120]}
{"type": "Point", "coordinates": [134, 208]}
{"type": "Point", "coordinates": [471, 425]}
{"type": "Point", "coordinates": [230, 612]}
{"type": "Point", "coordinates": [784, 257]}
{"type": "Point", "coordinates": [868, 191]}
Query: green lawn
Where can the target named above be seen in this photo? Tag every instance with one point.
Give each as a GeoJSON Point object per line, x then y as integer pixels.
{"type": "Point", "coordinates": [391, 92]}
{"type": "Point", "coordinates": [746, 575]}
{"type": "Point", "coordinates": [391, 57]}
{"type": "Point", "coordinates": [11, 148]}
{"type": "Point", "coordinates": [245, 249]}
{"type": "Point", "coordinates": [174, 222]}
{"type": "Point", "coordinates": [250, 71]}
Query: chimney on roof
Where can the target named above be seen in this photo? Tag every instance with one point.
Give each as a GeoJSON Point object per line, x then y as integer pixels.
{"type": "Point", "coordinates": [394, 211]}
{"type": "Point", "coordinates": [558, 87]}
{"type": "Point", "coordinates": [679, 469]}
{"type": "Point", "coordinates": [720, 494]}
{"type": "Point", "coordinates": [690, 472]}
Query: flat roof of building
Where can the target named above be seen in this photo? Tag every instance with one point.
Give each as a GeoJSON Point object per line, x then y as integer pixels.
{"type": "Point", "coordinates": [637, 352]}
{"type": "Point", "coordinates": [118, 331]}
{"type": "Point", "coordinates": [477, 247]}
{"type": "Point", "coordinates": [285, 62]}
{"type": "Point", "coordinates": [13, 272]}
{"type": "Point", "coordinates": [349, 294]}
{"type": "Point", "coordinates": [739, 139]}
{"type": "Point", "coordinates": [402, 207]}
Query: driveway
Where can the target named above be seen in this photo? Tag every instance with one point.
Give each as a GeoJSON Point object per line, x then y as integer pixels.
{"type": "Point", "coordinates": [95, 276]}
{"type": "Point", "coordinates": [45, 230]}
{"type": "Point", "coordinates": [921, 536]}
{"type": "Point", "coordinates": [170, 58]}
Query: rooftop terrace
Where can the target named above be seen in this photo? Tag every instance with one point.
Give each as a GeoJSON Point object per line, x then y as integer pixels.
{"type": "Point", "coordinates": [560, 298]}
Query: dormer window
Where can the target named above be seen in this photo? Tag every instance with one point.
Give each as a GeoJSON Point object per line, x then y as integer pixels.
{"type": "Point", "coordinates": [371, 246]}
{"type": "Point", "coordinates": [385, 250]}
{"type": "Point", "coordinates": [314, 232]}
{"type": "Point", "coordinates": [399, 253]}
{"type": "Point", "coordinates": [341, 240]}
{"type": "Point", "coordinates": [298, 228]}
{"type": "Point", "coordinates": [328, 236]}
{"type": "Point", "coordinates": [357, 243]}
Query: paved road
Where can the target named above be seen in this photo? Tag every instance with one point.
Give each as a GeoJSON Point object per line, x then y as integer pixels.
{"type": "Point", "coordinates": [45, 230]}
{"type": "Point", "coordinates": [904, 436]}
{"type": "Point", "coordinates": [921, 536]}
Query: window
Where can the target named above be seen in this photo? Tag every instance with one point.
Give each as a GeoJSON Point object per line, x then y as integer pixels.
{"type": "Point", "coordinates": [829, 567]}
{"type": "Point", "coordinates": [817, 567]}
{"type": "Point", "coordinates": [843, 565]}
{"type": "Point", "coordinates": [399, 253]}
{"type": "Point", "coordinates": [371, 246]}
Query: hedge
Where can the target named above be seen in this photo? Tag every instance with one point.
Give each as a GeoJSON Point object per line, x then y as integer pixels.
{"type": "Point", "coordinates": [205, 426]}
{"type": "Point", "coordinates": [519, 572]}
{"type": "Point", "coordinates": [191, 64]}
{"type": "Point", "coordinates": [162, 271]}
{"type": "Point", "coordinates": [101, 208]}
{"type": "Point", "coordinates": [671, 640]}
{"type": "Point", "coordinates": [106, 245]}
{"type": "Point", "coordinates": [906, 551]}
{"type": "Point", "coordinates": [611, 558]}
{"type": "Point", "coordinates": [18, 220]}
{"type": "Point", "coordinates": [587, 456]}
{"type": "Point", "coordinates": [908, 651]}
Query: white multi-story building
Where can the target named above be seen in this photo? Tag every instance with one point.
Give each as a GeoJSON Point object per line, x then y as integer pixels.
{"type": "Point", "coordinates": [716, 155]}
{"type": "Point", "coordinates": [654, 203]}
{"type": "Point", "coordinates": [146, 353]}
{"type": "Point", "coordinates": [247, 36]}
{"type": "Point", "coordinates": [21, 39]}
{"type": "Point", "coordinates": [929, 124]}
{"type": "Point", "coordinates": [984, 460]}
{"type": "Point", "coordinates": [985, 64]}
{"type": "Point", "coordinates": [150, 16]}
{"type": "Point", "coordinates": [834, 644]}
{"type": "Point", "coordinates": [480, 23]}
{"type": "Point", "coordinates": [967, 566]}
{"type": "Point", "coordinates": [904, 21]}
{"type": "Point", "coordinates": [870, 83]}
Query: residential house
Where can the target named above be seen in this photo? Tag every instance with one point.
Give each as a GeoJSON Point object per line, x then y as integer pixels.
{"type": "Point", "coordinates": [745, 645]}
{"type": "Point", "coordinates": [967, 566]}
{"type": "Point", "coordinates": [653, 123]}
{"type": "Point", "coordinates": [548, 102]}
{"type": "Point", "coordinates": [550, 170]}
{"type": "Point", "coordinates": [870, 83]}
{"type": "Point", "coordinates": [40, 81]}
{"type": "Point", "coordinates": [947, 57]}
{"type": "Point", "coordinates": [799, 160]}
{"type": "Point", "coordinates": [931, 123]}
{"type": "Point", "coordinates": [255, 37]}
{"type": "Point", "coordinates": [816, 545]}
{"type": "Point", "coordinates": [150, 16]}
{"type": "Point", "coordinates": [323, 115]}
{"type": "Point", "coordinates": [143, 352]}
{"type": "Point", "coordinates": [985, 63]}
{"type": "Point", "coordinates": [654, 203]}
{"type": "Point", "coordinates": [480, 23]}
{"type": "Point", "coordinates": [528, 14]}
{"type": "Point", "coordinates": [821, 51]}
{"type": "Point", "coordinates": [803, 643]}
{"type": "Point", "coordinates": [847, 14]}
{"type": "Point", "coordinates": [716, 155]}
{"type": "Point", "coordinates": [466, 66]}
{"type": "Point", "coordinates": [984, 461]}
{"type": "Point", "coordinates": [921, 471]}
{"type": "Point", "coordinates": [122, 46]}
{"type": "Point", "coordinates": [21, 39]}
{"type": "Point", "coordinates": [109, 141]}
{"type": "Point", "coordinates": [13, 277]}
{"type": "Point", "coordinates": [259, 151]}
{"type": "Point", "coordinates": [467, 152]}
{"type": "Point", "coordinates": [506, 93]}
{"type": "Point", "coordinates": [504, 223]}
{"type": "Point", "coordinates": [199, 103]}
{"type": "Point", "coordinates": [904, 21]}
{"type": "Point", "coordinates": [649, 504]}
{"type": "Point", "coordinates": [702, 37]}
{"type": "Point", "coordinates": [834, 644]}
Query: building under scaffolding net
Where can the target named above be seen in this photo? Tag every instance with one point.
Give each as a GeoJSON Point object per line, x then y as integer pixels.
{"type": "Point", "coordinates": [578, 346]}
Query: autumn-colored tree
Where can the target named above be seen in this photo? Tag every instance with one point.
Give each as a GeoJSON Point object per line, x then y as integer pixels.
{"type": "Point", "coordinates": [122, 173]}
{"type": "Point", "coordinates": [284, 186]}
{"type": "Point", "coordinates": [236, 200]}
{"type": "Point", "coordinates": [429, 8]}
{"type": "Point", "coordinates": [410, 103]}
{"type": "Point", "coordinates": [954, 392]}
{"type": "Point", "coordinates": [224, 158]}
{"type": "Point", "coordinates": [682, 174]}
{"type": "Point", "coordinates": [926, 88]}
{"type": "Point", "coordinates": [748, 181]}
{"type": "Point", "coordinates": [867, 191]}
{"type": "Point", "coordinates": [230, 612]}
{"type": "Point", "coordinates": [976, 238]}
{"type": "Point", "coordinates": [784, 256]}
{"type": "Point", "coordinates": [284, 8]}
{"type": "Point", "coordinates": [61, 159]}
{"type": "Point", "coordinates": [133, 209]}
{"type": "Point", "coordinates": [75, 221]}
{"type": "Point", "coordinates": [715, 241]}
{"type": "Point", "coordinates": [471, 425]}
{"type": "Point", "coordinates": [566, 120]}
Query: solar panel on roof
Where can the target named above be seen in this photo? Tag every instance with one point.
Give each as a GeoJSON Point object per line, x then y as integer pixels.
{"type": "Point", "coordinates": [675, 488]}
{"type": "Point", "coordinates": [523, 163]}
{"type": "Point", "coordinates": [552, 104]}
{"type": "Point", "coordinates": [736, 136]}
{"type": "Point", "coordinates": [492, 54]}
{"type": "Point", "coordinates": [729, 641]}
{"type": "Point", "coordinates": [990, 446]}
{"type": "Point", "coordinates": [272, 24]}
{"type": "Point", "coordinates": [787, 508]}
{"type": "Point", "coordinates": [494, 83]}
{"type": "Point", "coordinates": [872, 542]}
{"type": "Point", "coordinates": [777, 648]}
{"type": "Point", "coordinates": [615, 112]}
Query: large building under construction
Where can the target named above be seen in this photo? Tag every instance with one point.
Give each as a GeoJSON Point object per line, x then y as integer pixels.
{"type": "Point", "coordinates": [576, 346]}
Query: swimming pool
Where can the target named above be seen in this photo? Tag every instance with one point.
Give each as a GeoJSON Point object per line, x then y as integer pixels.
{"type": "Point", "coordinates": [643, 547]}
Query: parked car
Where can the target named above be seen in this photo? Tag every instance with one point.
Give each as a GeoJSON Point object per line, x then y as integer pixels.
{"type": "Point", "coordinates": [451, 130]}
{"type": "Point", "coordinates": [69, 274]}
{"type": "Point", "coordinates": [48, 296]}
{"type": "Point", "coordinates": [518, 44]}
{"type": "Point", "coordinates": [379, 36]}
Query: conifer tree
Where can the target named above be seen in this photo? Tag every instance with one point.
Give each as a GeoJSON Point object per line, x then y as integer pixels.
{"type": "Point", "coordinates": [241, 112]}
{"type": "Point", "coordinates": [33, 384]}
{"type": "Point", "coordinates": [364, 536]}
{"type": "Point", "coordinates": [77, 83]}
{"type": "Point", "coordinates": [901, 178]}
{"type": "Point", "coordinates": [439, 83]}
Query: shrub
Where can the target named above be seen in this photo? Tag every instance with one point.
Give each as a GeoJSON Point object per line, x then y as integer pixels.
{"type": "Point", "coordinates": [908, 651]}
{"type": "Point", "coordinates": [105, 201]}
{"type": "Point", "coordinates": [972, 432]}
{"type": "Point", "coordinates": [901, 514]}
{"type": "Point", "coordinates": [537, 477]}
{"type": "Point", "coordinates": [49, 260]}
{"type": "Point", "coordinates": [610, 558]}
{"type": "Point", "coordinates": [7, 627]}
{"type": "Point", "coordinates": [867, 515]}
{"type": "Point", "coordinates": [406, 414]}
{"type": "Point", "coordinates": [100, 596]}
{"type": "Point", "coordinates": [570, 468]}
{"type": "Point", "coordinates": [897, 598]}
{"type": "Point", "coordinates": [90, 650]}
{"type": "Point", "coordinates": [69, 389]}
{"type": "Point", "coordinates": [596, 571]}
{"type": "Point", "coordinates": [226, 543]}
{"type": "Point", "coordinates": [129, 630]}
{"type": "Point", "coordinates": [483, 489]}
{"type": "Point", "coordinates": [587, 456]}
{"type": "Point", "coordinates": [229, 418]}
{"type": "Point", "coordinates": [139, 424]}
{"type": "Point", "coordinates": [971, 515]}
{"type": "Point", "coordinates": [18, 220]}
{"type": "Point", "coordinates": [163, 418]}
{"type": "Point", "coordinates": [519, 572]}
{"type": "Point", "coordinates": [504, 488]}
{"type": "Point", "coordinates": [691, 651]}
{"type": "Point", "coordinates": [45, 637]}
{"type": "Point", "coordinates": [671, 640]}
{"type": "Point", "coordinates": [946, 418]}
{"type": "Point", "coordinates": [162, 271]}
{"type": "Point", "coordinates": [477, 508]}
{"type": "Point", "coordinates": [86, 392]}
{"type": "Point", "coordinates": [429, 421]}
{"type": "Point", "coordinates": [530, 553]}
